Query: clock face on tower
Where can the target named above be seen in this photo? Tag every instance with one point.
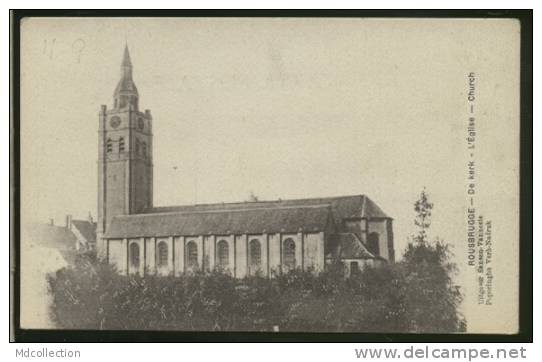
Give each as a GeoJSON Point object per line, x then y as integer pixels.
{"type": "Point", "coordinates": [115, 122]}
{"type": "Point", "coordinates": [140, 123]}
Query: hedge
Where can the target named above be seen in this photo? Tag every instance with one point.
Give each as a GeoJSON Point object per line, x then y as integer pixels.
{"type": "Point", "coordinates": [415, 295]}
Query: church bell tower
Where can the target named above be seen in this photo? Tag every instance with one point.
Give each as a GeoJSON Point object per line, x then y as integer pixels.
{"type": "Point", "coordinates": [124, 155]}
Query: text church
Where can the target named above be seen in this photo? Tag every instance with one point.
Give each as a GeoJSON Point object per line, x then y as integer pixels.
{"type": "Point", "coordinates": [243, 238]}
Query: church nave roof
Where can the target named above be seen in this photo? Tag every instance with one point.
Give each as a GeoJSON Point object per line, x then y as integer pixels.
{"type": "Point", "coordinates": [288, 219]}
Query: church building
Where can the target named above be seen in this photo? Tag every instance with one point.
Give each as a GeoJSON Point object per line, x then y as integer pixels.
{"type": "Point", "coordinates": [242, 238]}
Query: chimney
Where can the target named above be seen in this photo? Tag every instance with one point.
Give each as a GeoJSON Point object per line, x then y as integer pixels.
{"type": "Point", "coordinates": [52, 222]}
{"type": "Point", "coordinates": [69, 222]}
{"type": "Point", "coordinates": [90, 219]}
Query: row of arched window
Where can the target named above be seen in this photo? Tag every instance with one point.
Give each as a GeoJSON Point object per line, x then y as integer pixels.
{"type": "Point", "coordinates": [223, 254]}
{"type": "Point", "coordinates": [140, 147]}
{"type": "Point", "coordinates": [161, 257]}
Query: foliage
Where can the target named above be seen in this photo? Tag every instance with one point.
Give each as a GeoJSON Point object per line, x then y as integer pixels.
{"type": "Point", "coordinates": [383, 299]}
{"type": "Point", "coordinates": [423, 209]}
{"type": "Point", "coordinates": [434, 298]}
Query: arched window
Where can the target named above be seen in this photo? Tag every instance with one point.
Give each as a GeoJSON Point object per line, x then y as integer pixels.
{"type": "Point", "coordinates": [374, 244]}
{"type": "Point", "coordinates": [144, 149]}
{"type": "Point", "coordinates": [288, 254]}
{"type": "Point", "coordinates": [109, 145]}
{"type": "Point", "coordinates": [133, 101]}
{"type": "Point", "coordinates": [354, 268]}
{"type": "Point", "coordinates": [162, 254]}
{"type": "Point", "coordinates": [121, 144]}
{"type": "Point", "coordinates": [192, 252]}
{"type": "Point", "coordinates": [255, 253]}
{"type": "Point", "coordinates": [223, 250]}
{"type": "Point", "coordinates": [134, 255]}
{"type": "Point", "coordinates": [137, 146]}
{"type": "Point", "coordinates": [123, 101]}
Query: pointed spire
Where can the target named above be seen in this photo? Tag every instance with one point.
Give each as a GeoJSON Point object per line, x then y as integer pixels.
{"type": "Point", "coordinates": [126, 61]}
{"type": "Point", "coordinates": [126, 91]}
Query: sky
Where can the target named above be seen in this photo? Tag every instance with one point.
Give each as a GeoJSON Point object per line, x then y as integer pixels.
{"type": "Point", "coordinates": [283, 108]}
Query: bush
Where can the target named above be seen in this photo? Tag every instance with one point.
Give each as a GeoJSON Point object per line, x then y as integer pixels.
{"type": "Point", "coordinates": [413, 295]}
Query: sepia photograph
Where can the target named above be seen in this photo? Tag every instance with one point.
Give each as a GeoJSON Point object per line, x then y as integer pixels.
{"type": "Point", "coordinates": [270, 174]}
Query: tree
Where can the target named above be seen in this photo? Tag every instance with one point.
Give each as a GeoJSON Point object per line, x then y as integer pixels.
{"type": "Point", "coordinates": [432, 298]}
{"type": "Point", "coordinates": [423, 209]}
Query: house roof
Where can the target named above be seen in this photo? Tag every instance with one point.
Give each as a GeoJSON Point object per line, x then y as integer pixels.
{"type": "Point", "coordinates": [349, 246]}
{"type": "Point", "coordinates": [86, 228]}
{"type": "Point", "coordinates": [342, 207]}
{"type": "Point", "coordinates": [312, 218]}
{"type": "Point", "coordinates": [50, 236]}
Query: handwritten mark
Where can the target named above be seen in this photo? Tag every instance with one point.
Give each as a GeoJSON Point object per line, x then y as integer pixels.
{"type": "Point", "coordinates": [49, 50]}
{"type": "Point", "coordinates": [77, 47]}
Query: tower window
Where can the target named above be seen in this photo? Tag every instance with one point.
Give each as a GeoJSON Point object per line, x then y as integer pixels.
{"type": "Point", "coordinates": [288, 254]}
{"type": "Point", "coordinates": [144, 149]}
{"type": "Point", "coordinates": [162, 254]}
{"type": "Point", "coordinates": [223, 253]}
{"type": "Point", "coordinates": [109, 145]}
{"type": "Point", "coordinates": [137, 146]}
{"type": "Point", "coordinates": [121, 144]}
